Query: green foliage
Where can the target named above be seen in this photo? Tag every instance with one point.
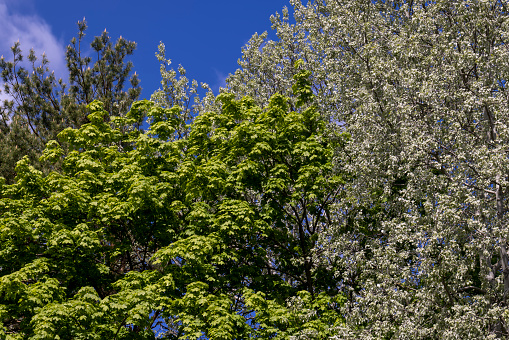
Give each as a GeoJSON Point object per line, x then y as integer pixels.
{"type": "Point", "coordinates": [350, 183]}
{"type": "Point", "coordinates": [211, 314]}
{"type": "Point", "coordinates": [302, 317]}
{"type": "Point", "coordinates": [139, 229]}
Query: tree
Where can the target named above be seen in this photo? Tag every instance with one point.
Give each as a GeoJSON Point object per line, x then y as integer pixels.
{"type": "Point", "coordinates": [421, 88]}
{"type": "Point", "coordinates": [206, 235]}
{"type": "Point", "coordinates": [179, 91]}
{"type": "Point", "coordinates": [41, 106]}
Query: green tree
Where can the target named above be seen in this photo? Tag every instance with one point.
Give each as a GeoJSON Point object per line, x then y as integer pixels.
{"type": "Point", "coordinates": [41, 105]}
{"type": "Point", "coordinates": [207, 235]}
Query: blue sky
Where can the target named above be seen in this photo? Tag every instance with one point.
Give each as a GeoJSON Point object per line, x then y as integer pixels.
{"type": "Point", "coordinates": [204, 36]}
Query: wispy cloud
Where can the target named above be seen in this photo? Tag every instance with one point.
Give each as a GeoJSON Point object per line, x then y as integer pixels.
{"type": "Point", "coordinates": [220, 81]}
{"type": "Point", "coordinates": [32, 32]}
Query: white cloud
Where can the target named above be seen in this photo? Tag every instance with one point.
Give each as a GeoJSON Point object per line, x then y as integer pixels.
{"type": "Point", "coordinates": [32, 32]}
{"type": "Point", "coordinates": [220, 80]}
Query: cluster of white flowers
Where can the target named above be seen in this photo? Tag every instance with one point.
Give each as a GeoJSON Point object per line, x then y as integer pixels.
{"type": "Point", "coordinates": [177, 90]}
{"type": "Point", "coordinates": [421, 235]}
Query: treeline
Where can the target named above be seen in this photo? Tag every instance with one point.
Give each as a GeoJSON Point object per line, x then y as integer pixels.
{"type": "Point", "coordinates": [349, 182]}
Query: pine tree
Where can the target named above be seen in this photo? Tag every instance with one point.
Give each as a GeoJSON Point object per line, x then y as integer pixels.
{"type": "Point", "coordinates": [40, 105]}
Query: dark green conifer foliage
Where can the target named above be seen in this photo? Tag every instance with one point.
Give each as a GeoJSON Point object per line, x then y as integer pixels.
{"type": "Point", "coordinates": [41, 105]}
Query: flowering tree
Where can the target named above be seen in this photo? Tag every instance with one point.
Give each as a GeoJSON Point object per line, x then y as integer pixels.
{"type": "Point", "coordinates": [421, 88]}
{"type": "Point", "coordinates": [368, 202]}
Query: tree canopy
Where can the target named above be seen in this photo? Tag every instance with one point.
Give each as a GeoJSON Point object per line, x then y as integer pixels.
{"type": "Point", "coordinates": [348, 183]}
{"type": "Point", "coordinates": [210, 235]}
{"type": "Point", "coordinates": [421, 88]}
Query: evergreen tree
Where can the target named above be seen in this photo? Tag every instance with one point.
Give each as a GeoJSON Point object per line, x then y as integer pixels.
{"type": "Point", "coordinates": [41, 106]}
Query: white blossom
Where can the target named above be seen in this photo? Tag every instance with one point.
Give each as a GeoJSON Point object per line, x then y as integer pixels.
{"type": "Point", "coordinates": [421, 234]}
